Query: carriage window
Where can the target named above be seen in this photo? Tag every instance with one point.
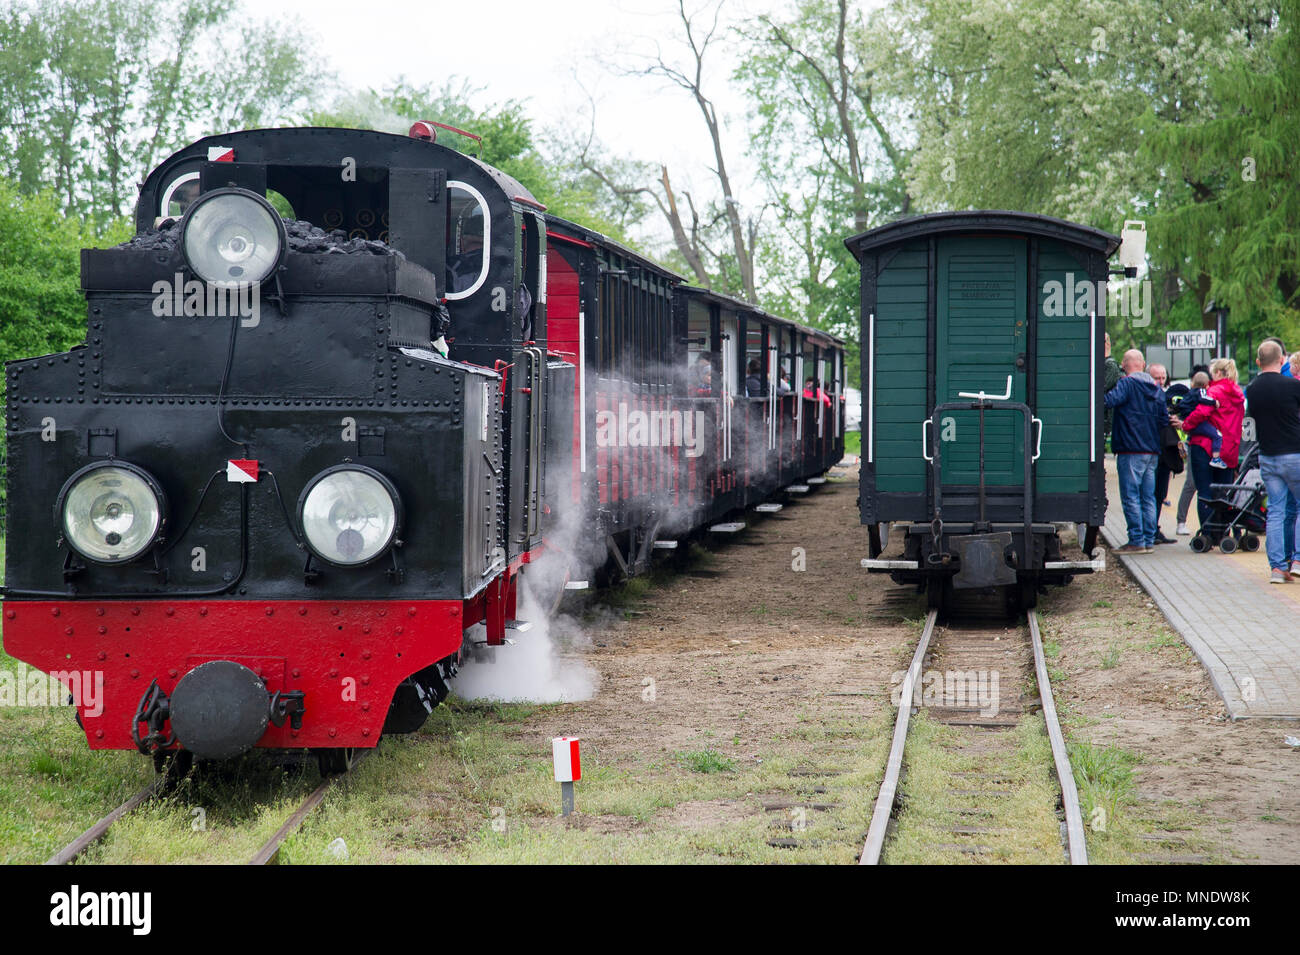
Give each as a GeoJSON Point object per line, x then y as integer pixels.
{"type": "Point", "coordinates": [755, 372]}
{"type": "Point", "coordinates": [469, 236]}
{"type": "Point", "coordinates": [699, 336]}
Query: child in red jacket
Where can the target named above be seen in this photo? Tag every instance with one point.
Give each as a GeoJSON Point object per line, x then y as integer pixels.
{"type": "Point", "coordinates": [1198, 396]}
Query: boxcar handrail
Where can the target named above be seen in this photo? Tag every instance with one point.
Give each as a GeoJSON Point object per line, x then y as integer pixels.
{"type": "Point", "coordinates": [1027, 558]}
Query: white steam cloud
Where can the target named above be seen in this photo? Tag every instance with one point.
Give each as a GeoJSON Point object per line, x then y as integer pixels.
{"type": "Point", "coordinates": [544, 664]}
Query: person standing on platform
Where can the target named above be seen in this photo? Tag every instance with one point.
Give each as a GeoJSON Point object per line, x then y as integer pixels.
{"type": "Point", "coordinates": [1225, 415]}
{"type": "Point", "coordinates": [1111, 379]}
{"type": "Point", "coordinates": [1161, 376]}
{"type": "Point", "coordinates": [1274, 401]}
{"type": "Point", "coordinates": [1140, 413]}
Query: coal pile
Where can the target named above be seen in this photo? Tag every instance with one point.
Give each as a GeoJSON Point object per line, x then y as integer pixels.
{"type": "Point", "coordinates": [303, 237]}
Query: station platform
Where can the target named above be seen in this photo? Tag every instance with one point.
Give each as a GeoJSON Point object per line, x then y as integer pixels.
{"type": "Point", "coordinates": [1244, 630]}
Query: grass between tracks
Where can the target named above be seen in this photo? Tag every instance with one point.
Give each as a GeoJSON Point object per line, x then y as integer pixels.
{"type": "Point", "coordinates": [1120, 827]}
{"type": "Point", "coordinates": [1004, 784]}
{"type": "Point", "coordinates": [474, 785]}
{"type": "Point", "coordinates": [471, 788]}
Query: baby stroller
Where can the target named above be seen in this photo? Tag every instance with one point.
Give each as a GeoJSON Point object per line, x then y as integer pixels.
{"type": "Point", "coordinates": [1237, 514]}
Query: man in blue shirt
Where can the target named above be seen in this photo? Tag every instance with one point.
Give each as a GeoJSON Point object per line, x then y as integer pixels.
{"type": "Point", "coordinates": [1140, 414]}
{"type": "Point", "coordinates": [1292, 506]}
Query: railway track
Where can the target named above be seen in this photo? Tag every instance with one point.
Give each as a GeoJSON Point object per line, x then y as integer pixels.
{"type": "Point", "coordinates": [982, 729]}
{"type": "Point", "coordinates": [268, 854]}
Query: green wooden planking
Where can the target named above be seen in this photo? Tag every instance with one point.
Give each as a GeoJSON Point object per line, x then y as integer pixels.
{"type": "Point", "coordinates": [1063, 351]}
{"type": "Point", "coordinates": [980, 331]}
{"type": "Point", "coordinates": [981, 289]}
{"type": "Point", "coordinates": [900, 369]}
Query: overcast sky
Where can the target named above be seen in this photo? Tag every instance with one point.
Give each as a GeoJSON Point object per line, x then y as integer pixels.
{"type": "Point", "coordinates": [544, 53]}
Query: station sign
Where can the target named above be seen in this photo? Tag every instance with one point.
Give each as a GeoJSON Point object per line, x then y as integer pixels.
{"type": "Point", "coordinates": [1183, 341]}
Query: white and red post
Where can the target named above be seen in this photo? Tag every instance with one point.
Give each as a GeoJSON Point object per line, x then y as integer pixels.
{"type": "Point", "coordinates": [568, 768]}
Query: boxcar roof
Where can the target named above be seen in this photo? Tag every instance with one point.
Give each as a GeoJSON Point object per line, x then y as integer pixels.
{"type": "Point", "coordinates": [997, 220]}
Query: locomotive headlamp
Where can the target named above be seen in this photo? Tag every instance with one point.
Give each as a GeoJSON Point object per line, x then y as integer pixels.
{"type": "Point", "coordinates": [232, 237]}
{"type": "Point", "coordinates": [350, 515]}
{"type": "Point", "coordinates": [111, 512]}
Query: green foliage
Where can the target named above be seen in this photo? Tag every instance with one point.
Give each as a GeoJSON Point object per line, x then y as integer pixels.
{"type": "Point", "coordinates": [706, 761]}
{"type": "Point", "coordinates": [1104, 777]}
{"type": "Point", "coordinates": [1090, 111]}
{"type": "Point", "coordinates": [93, 94]}
{"type": "Point", "coordinates": [826, 144]}
{"type": "Point", "coordinates": [41, 306]}
{"type": "Point", "coordinates": [1229, 205]}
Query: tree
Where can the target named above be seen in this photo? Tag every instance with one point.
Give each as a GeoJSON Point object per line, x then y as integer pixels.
{"type": "Point", "coordinates": [1045, 107]}
{"type": "Point", "coordinates": [831, 152]}
{"type": "Point", "coordinates": [1228, 209]}
{"type": "Point", "coordinates": [42, 310]}
{"type": "Point", "coordinates": [711, 239]}
{"type": "Point", "coordinates": [700, 29]}
{"type": "Point", "coordinates": [549, 168]}
{"type": "Point", "coordinates": [94, 94]}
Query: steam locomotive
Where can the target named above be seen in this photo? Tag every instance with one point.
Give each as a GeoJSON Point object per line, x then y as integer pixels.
{"type": "Point", "coordinates": [338, 395]}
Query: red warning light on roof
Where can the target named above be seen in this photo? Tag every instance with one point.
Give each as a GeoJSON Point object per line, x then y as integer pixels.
{"type": "Point", "coordinates": [423, 130]}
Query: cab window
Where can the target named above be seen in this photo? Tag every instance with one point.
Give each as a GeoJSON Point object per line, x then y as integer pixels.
{"type": "Point", "coordinates": [468, 239]}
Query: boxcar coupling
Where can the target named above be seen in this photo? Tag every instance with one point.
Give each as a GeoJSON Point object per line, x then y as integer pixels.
{"type": "Point", "coordinates": [982, 425]}
{"type": "Point", "coordinates": [299, 457]}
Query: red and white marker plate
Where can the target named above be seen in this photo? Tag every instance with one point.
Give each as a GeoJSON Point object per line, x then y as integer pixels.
{"type": "Point", "coordinates": [564, 752]}
{"type": "Point", "coordinates": [241, 472]}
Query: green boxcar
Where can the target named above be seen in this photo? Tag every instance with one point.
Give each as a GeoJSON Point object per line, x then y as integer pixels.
{"type": "Point", "coordinates": [1011, 305]}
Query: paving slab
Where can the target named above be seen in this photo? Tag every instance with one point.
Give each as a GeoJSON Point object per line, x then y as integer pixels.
{"type": "Point", "coordinates": [1244, 630]}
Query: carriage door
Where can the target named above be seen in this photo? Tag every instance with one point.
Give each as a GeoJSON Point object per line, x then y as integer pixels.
{"type": "Point", "coordinates": [980, 338]}
{"type": "Point", "coordinates": [731, 381]}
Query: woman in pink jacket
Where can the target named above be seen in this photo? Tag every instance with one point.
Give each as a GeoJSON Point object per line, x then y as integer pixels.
{"type": "Point", "coordinates": [1227, 417]}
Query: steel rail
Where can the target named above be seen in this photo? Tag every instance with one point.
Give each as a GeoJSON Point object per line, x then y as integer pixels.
{"type": "Point", "coordinates": [893, 768]}
{"type": "Point", "coordinates": [268, 853]}
{"type": "Point", "coordinates": [96, 832]}
{"type": "Point", "coordinates": [1076, 844]}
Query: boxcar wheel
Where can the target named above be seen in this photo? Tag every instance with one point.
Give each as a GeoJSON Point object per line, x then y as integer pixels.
{"type": "Point", "coordinates": [1028, 594]}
